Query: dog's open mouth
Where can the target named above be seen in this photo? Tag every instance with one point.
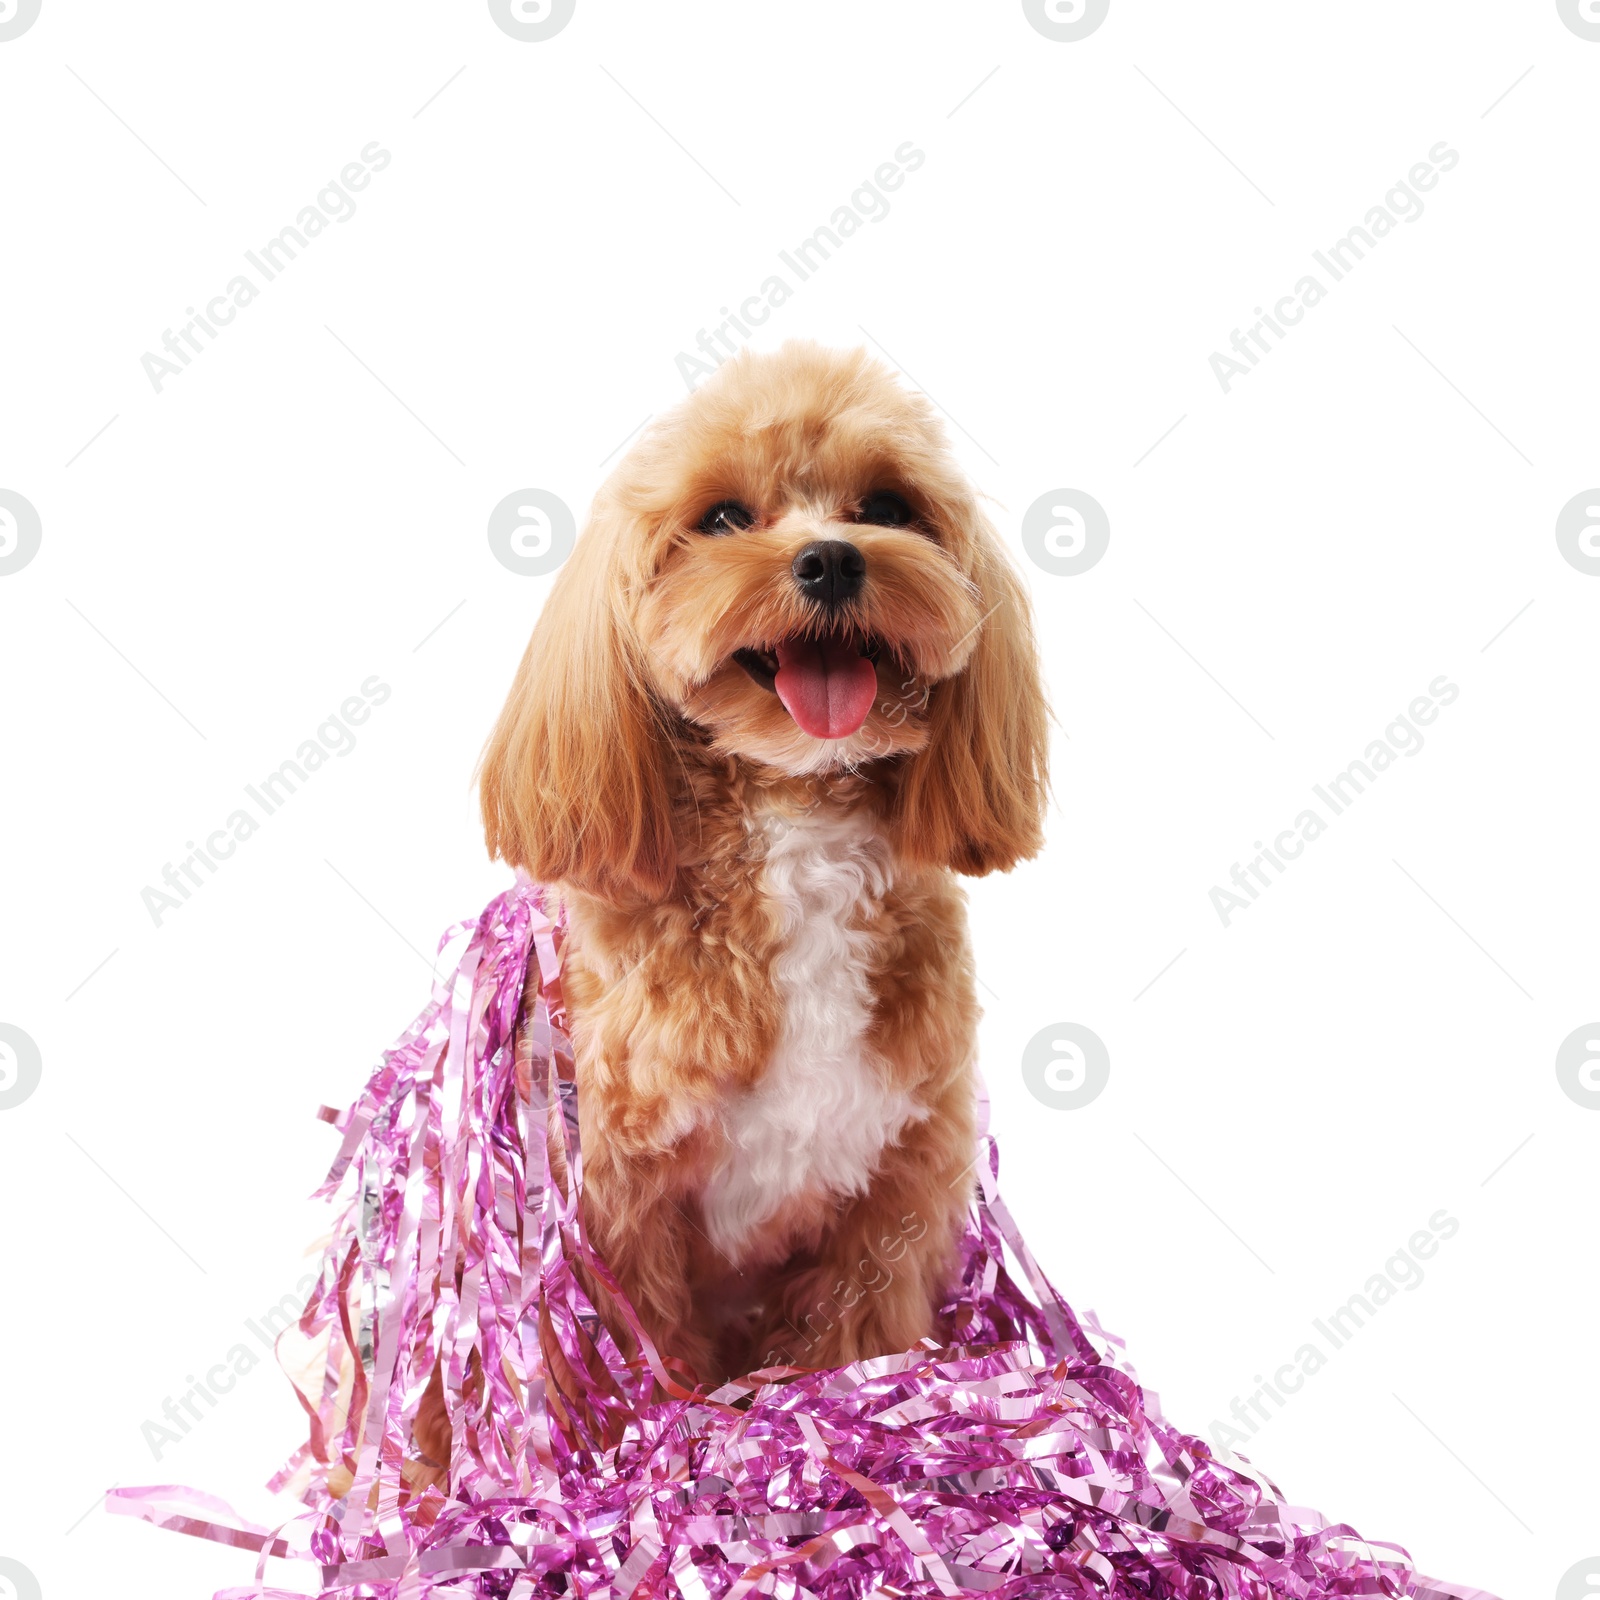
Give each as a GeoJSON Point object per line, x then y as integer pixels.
{"type": "Point", "coordinates": [827, 683]}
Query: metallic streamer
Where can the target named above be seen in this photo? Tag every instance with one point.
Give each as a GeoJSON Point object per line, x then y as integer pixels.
{"type": "Point", "coordinates": [1020, 1457]}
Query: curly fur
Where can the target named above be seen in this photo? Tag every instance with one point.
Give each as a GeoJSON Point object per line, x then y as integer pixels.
{"type": "Point", "coordinates": [767, 972]}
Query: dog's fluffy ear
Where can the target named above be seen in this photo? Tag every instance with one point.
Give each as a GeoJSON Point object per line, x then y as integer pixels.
{"type": "Point", "coordinates": [974, 798]}
{"type": "Point", "coordinates": [573, 779]}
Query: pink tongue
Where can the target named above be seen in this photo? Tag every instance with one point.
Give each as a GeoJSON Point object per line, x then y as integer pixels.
{"type": "Point", "coordinates": [827, 687]}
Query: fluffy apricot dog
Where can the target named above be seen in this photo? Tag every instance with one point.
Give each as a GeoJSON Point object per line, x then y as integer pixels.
{"type": "Point", "coordinates": [783, 689]}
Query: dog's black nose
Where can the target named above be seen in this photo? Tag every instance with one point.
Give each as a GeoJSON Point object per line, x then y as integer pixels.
{"type": "Point", "coordinates": [830, 571]}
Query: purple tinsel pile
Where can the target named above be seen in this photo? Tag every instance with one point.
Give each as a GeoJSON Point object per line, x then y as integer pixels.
{"type": "Point", "coordinates": [1019, 1459]}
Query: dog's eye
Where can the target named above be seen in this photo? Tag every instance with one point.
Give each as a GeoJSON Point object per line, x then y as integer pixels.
{"type": "Point", "coordinates": [727, 516]}
{"type": "Point", "coordinates": [884, 508]}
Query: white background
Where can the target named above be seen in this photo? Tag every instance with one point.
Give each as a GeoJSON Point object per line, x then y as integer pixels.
{"type": "Point", "coordinates": [1292, 564]}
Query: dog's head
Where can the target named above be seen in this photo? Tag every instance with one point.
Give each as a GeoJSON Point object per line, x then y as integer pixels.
{"type": "Point", "coordinates": [791, 564]}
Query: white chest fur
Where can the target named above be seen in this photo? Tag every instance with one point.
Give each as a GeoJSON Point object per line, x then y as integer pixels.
{"type": "Point", "coordinates": [817, 1119]}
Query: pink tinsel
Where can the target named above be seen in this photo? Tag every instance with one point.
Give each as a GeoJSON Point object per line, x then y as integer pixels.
{"type": "Point", "coordinates": [1019, 1458]}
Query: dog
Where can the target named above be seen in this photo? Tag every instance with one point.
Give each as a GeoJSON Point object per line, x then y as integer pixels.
{"type": "Point", "coordinates": [784, 689]}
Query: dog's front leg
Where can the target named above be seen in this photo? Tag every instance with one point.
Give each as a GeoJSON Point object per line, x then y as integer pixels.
{"type": "Point", "coordinates": [887, 1260]}
{"type": "Point", "coordinates": [646, 1234]}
